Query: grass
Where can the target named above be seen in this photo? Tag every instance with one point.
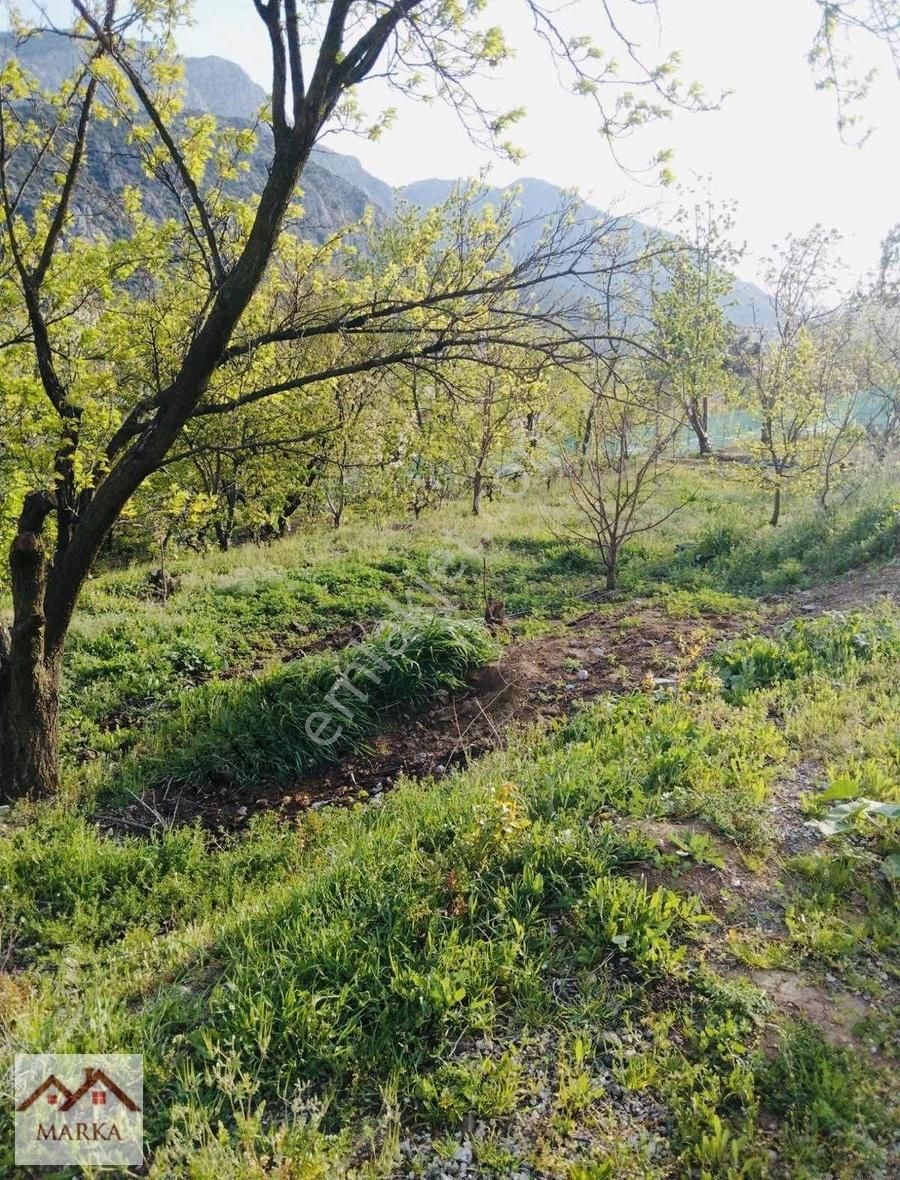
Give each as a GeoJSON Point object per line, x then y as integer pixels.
{"type": "Point", "coordinates": [132, 660]}
{"type": "Point", "coordinates": [304, 715]}
{"type": "Point", "coordinates": [509, 962]}
{"type": "Point", "coordinates": [308, 996]}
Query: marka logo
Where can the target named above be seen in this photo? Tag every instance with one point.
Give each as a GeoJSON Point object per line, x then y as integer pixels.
{"type": "Point", "coordinates": [100, 1085]}
{"type": "Point", "coordinates": [79, 1133]}
{"type": "Point", "coordinates": [79, 1108]}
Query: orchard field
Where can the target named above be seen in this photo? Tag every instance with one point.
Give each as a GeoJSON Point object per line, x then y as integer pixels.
{"type": "Point", "coordinates": [586, 922]}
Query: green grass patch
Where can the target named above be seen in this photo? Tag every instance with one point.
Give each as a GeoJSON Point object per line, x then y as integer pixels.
{"type": "Point", "coordinates": [830, 645]}
{"type": "Point", "coordinates": [281, 725]}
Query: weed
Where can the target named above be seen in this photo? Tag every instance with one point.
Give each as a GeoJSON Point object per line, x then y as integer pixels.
{"type": "Point", "coordinates": [827, 1105]}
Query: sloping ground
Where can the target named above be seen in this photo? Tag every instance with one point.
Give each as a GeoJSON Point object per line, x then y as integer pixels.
{"type": "Point", "coordinates": [853, 590]}
{"type": "Point", "coordinates": [617, 649]}
{"type": "Point", "coordinates": [618, 949]}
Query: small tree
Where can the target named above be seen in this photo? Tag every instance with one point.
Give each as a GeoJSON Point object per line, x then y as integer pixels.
{"type": "Point", "coordinates": [484, 416]}
{"type": "Point", "coordinates": [691, 333]}
{"type": "Point", "coordinates": [618, 486]}
{"type": "Point", "coordinates": [877, 365]}
{"type": "Point", "coordinates": [796, 378]}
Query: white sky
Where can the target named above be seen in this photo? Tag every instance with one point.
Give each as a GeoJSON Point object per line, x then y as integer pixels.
{"type": "Point", "coordinates": [773, 147]}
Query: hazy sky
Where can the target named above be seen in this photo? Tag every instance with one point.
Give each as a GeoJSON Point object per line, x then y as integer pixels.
{"type": "Point", "coordinates": [773, 147]}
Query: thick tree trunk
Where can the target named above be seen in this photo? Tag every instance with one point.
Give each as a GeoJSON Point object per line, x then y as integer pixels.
{"type": "Point", "coordinates": [30, 664]}
{"type": "Point", "coordinates": [223, 535]}
{"type": "Point", "coordinates": [612, 568]}
{"type": "Point", "coordinates": [776, 509]}
{"type": "Point", "coordinates": [29, 728]}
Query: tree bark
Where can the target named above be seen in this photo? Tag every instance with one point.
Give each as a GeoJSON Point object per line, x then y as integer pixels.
{"type": "Point", "coordinates": [698, 418]}
{"type": "Point", "coordinates": [612, 568]}
{"type": "Point", "coordinates": [30, 664]}
{"type": "Point", "coordinates": [776, 509]}
{"type": "Point", "coordinates": [476, 493]}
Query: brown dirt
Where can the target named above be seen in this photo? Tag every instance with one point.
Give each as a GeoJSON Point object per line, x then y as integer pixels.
{"type": "Point", "coordinates": [611, 649]}
{"type": "Point", "coordinates": [858, 588]}
{"type": "Point", "coordinates": [711, 883]}
{"type": "Point", "coordinates": [833, 1010]}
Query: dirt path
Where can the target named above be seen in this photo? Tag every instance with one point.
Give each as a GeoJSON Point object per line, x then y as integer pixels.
{"type": "Point", "coordinates": [858, 588]}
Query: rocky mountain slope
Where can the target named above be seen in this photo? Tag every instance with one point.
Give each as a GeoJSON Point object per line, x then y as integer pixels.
{"type": "Point", "coordinates": [336, 188]}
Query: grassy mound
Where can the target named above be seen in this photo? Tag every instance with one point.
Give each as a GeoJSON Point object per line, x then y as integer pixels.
{"type": "Point", "coordinates": [304, 715]}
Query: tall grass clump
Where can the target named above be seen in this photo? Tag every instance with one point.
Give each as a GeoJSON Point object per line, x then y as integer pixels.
{"type": "Point", "coordinates": [281, 725]}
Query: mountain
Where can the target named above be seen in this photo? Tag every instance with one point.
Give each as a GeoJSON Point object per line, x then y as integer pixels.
{"type": "Point", "coordinates": [336, 188]}
{"type": "Point", "coordinates": [212, 84]}
{"type": "Point", "coordinates": [536, 200]}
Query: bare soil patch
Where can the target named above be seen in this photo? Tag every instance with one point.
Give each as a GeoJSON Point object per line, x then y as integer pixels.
{"type": "Point", "coordinates": [850, 591]}
{"type": "Point", "coordinates": [833, 1010]}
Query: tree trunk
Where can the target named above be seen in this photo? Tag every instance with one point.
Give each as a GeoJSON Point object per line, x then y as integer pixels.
{"type": "Point", "coordinates": [697, 416]}
{"type": "Point", "coordinates": [223, 535]}
{"type": "Point", "coordinates": [776, 509]}
{"type": "Point", "coordinates": [29, 728]}
{"type": "Point", "coordinates": [476, 494]}
{"type": "Point", "coordinates": [29, 683]}
{"type": "Point", "coordinates": [612, 568]}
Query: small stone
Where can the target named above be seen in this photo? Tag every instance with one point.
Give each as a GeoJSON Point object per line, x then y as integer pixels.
{"type": "Point", "coordinates": [581, 674]}
{"type": "Point", "coordinates": [463, 1155]}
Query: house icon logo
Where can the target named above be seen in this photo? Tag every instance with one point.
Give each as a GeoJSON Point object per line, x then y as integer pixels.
{"type": "Point", "coordinates": [79, 1108]}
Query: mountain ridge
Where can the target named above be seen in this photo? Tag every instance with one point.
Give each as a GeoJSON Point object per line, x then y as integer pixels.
{"type": "Point", "coordinates": [336, 187]}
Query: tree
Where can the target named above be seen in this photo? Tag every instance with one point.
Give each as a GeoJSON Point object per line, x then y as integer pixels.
{"type": "Point", "coordinates": [116, 347]}
{"type": "Point", "coordinates": [691, 332]}
{"type": "Point", "coordinates": [484, 415]}
{"type": "Point", "coordinates": [877, 367]}
{"type": "Point", "coordinates": [114, 401]}
{"type": "Point", "coordinates": [796, 380]}
{"type": "Point", "coordinates": [616, 485]}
